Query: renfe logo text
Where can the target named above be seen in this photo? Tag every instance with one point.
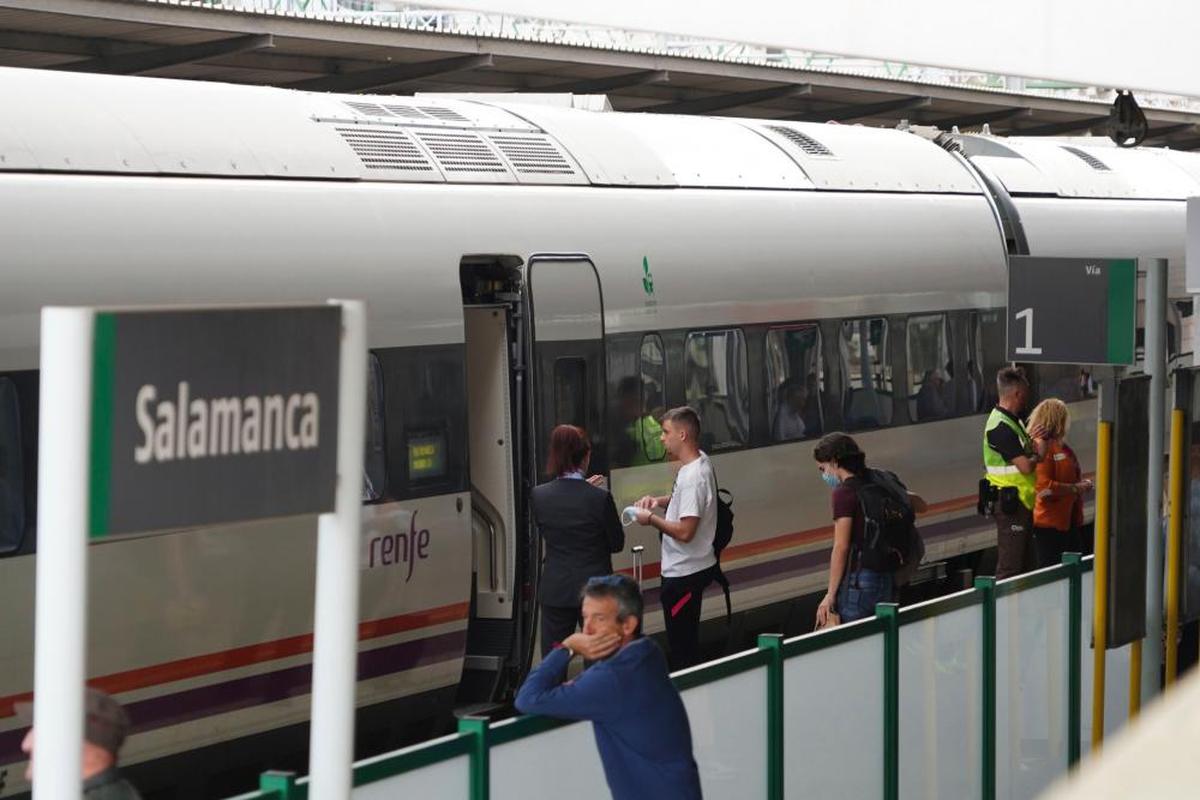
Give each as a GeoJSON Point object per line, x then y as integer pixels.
{"type": "Point", "coordinates": [182, 428]}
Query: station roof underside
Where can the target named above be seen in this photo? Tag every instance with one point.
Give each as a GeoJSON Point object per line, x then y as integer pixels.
{"type": "Point", "coordinates": [190, 41]}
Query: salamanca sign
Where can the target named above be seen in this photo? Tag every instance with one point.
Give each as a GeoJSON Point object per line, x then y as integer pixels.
{"type": "Point", "coordinates": [222, 426]}
{"type": "Point", "coordinates": [202, 417]}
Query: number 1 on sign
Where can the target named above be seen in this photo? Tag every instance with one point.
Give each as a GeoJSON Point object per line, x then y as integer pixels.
{"type": "Point", "coordinates": [1028, 349]}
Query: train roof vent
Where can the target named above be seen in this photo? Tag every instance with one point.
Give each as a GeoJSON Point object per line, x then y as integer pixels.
{"type": "Point", "coordinates": [464, 156]}
{"type": "Point", "coordinates": [369, 109]}
{"type": "Point", "coordinates": [807, 144]}
{"type": "Point", "coordinates": [446, 114]}
{"type": "Point", "coordinates": [406, 112]}
{"type": "Point", "coordinates": [535, 158]}
{"type": "Point", "coordinates": [1088, 159]}
{"type": "Point", "coordinates": [391, 150]}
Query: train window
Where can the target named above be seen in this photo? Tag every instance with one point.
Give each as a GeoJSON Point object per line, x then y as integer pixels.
{"type": "Point", "coordinates": [930, 391]}
{"type": "Point", "coordinates": [795, 382]}
{"type": "Point", "coordinates": [867, 402]}
{"type": "Point", "coordinates": [986, 341]}
{"type": "Point", "coordinates": [375, 450]}
{"type": "Point", "coordinates": [715, 385]}
{"type": "Point", "coordinates": [12, 469]}
{"type": "Point", "coordinates": [1067, 382]}
{"type": "Point", "coordinates": [570, 392]}
{"type": "Point", "coordinates": [424, 421]}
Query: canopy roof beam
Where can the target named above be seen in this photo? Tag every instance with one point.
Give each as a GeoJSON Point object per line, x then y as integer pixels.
{"type": "Point", "coordinates": [705, 105]}
{"type": "Point", "coordinates": [846, 113]}
{"type": "Point", "coordinates": [1057, 128]}
{"type": "Point", "coordinates": [138, 62]}
{"type": "Point", "coordinates": [391, 75]}
{"type": "Point", "coordinates": [625, 80]}
{"type": "Point", "coordinates": [971, 120]}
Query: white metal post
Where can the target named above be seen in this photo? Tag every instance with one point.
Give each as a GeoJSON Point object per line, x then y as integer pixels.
{"type": "Point", "coordinates": [335, 623]}
{"type": "Point", "coordinates": [64, 435]}
{"type": "Point", "coordinates": [1156, 368]}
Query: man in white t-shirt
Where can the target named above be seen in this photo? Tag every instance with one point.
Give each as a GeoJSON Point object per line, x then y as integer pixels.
{"type": "Point", "coordinates": [688, 561]}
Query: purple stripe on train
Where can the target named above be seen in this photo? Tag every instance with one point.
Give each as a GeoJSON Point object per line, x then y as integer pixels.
{"type": "Point", "coordinates": [269, 687]}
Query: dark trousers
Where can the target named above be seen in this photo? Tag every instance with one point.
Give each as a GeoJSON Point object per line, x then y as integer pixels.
{"type": "Point", "coordinates": [681, 598]}
{"type": "Point", "coordinates": [1014, 542]}
{"type": "Point", "coordinates": [1051, 543]}
{"type": "Point", "coordinates": [557, 624]}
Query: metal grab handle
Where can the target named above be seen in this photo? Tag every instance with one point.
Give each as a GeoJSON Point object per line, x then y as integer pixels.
{"type": "Point", "coordinates": [637, 565]}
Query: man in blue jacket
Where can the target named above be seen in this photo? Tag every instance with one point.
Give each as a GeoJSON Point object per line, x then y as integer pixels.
{"type": "Point", "coordinates": [641, 726]}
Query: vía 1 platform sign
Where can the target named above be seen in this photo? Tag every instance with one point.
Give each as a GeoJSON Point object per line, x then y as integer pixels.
{"type": "Point", "coordinates": [1071, 310]}
{"type": "Point", "coordinates": [208, 416]}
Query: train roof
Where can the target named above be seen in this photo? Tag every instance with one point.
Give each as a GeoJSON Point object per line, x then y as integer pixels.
{"type": "Point", "coordinates": [192, 128]}
{"type": "Point", "coordinates": [1081, 167]}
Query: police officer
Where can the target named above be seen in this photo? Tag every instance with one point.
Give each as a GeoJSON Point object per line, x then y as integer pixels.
{"type": "Point", "coordinates": [1010, 455]}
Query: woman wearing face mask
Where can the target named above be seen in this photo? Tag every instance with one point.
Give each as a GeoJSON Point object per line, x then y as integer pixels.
{"type": "Point", "coordinates": [853, 590]}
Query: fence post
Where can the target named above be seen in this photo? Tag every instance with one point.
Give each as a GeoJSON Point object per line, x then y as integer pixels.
{"type": "Point", "coordinates": [987, 585]}
{"type": "Point", "coordinates": [890, 614]}
{"type": "Point", "coordinates": [282, 783]}
{"type": "Point", "coordinates": [1074, 564]}
{"type": "Point", "coordinates": [480, 777]}
{"type": "Point", "coordinates": [773, 644]}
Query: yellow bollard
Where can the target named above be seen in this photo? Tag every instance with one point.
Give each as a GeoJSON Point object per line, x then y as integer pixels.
{"type": "Point", "coordinates": [1100, 577]}
{"type": "Point", "coordinates": [1174, 541]}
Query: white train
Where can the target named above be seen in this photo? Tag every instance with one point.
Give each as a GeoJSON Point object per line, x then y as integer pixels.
{"type": "Point", "coordinates": [524, 265]}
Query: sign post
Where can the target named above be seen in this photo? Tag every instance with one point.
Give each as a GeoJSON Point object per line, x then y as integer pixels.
{"type": "Point", "coordinates": [156, 419]}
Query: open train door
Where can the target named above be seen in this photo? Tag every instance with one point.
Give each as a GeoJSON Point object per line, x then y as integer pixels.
{"type": "Point", "coordinates": [568, 350]}
{"type": "Point", "coordinates": [568, 374]}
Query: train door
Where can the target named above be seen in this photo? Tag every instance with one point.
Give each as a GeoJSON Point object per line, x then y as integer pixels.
{"type": "Point", "coordinates": [568, 350]}
{"type": "Point", "coordinates": [494, 322]}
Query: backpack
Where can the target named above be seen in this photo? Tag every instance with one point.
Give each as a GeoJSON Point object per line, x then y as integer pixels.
{"type": "Point", "coordinates": [890, 540]}
{"type": "Point", "coordinates": [721, 539]}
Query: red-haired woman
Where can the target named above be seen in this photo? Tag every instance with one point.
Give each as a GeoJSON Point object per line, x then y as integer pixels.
{"type": "Point", "coordinates": [579, 525]}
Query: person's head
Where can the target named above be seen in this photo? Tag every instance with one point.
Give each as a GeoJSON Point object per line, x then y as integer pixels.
{"type": "Point", "coordinates": [612, 604]}
{"type": "Point", "coordinates": [838, 457]}
{"type": "Point", "coordinates": [1013, 389]}
{"type": "Point", "coordinates": [681, 432]}
{"type": "Point", "coordinates": [1052, 415]}
{"type": "Point", "coordinates": [793, 394]}
{"type": "Point", "coordinates": [570, 451]}
{"type": "Point", "coordinates": [105, 727]}
{"type": "Point", "coordinates": [629, 397]}
{"type": "Point", "coordinates": [934, 378]}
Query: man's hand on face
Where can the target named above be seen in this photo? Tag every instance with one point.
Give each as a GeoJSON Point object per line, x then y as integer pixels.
{"type": "Point", "coordinates": [593, 647]}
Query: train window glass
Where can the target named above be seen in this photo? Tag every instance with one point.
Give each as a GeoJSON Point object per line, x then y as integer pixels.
{"type": "Point", "coordinates": [644, 429]}
{"type": "Point", "coordinates": [375, 450]}
{"type": "Point", "coordinates": [570, 392]}
{"type": "Point", "coordinates": [425, 425]}
{"type": "Point", "coordinates": [12, 469]}
{"type": "Point", "coordinates": [795, 382]}
{"type": "Point", "coordinates": [867, 401]}
{"type": "Point", "coordinates": [716, 387]}
{"type": "Point", "coordinates": [930, 391]}
{"type": "Point", "coordinates": [1067, 382]}
{"type": "Point", "coordinates": [986, 343]}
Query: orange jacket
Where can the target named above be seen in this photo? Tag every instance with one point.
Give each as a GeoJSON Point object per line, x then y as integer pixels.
{"type": "Point", "coordinates": [1058, 472]}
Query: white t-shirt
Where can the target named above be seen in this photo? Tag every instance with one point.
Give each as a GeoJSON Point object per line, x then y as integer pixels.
{"type": "Point", "coordinates": [694, 495]}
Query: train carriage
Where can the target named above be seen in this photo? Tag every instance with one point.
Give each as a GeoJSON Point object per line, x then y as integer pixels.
{"type": "Point", "coordinates": [524, 264]}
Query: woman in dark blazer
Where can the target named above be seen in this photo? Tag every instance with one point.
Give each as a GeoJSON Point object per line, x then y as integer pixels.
{"type": "Point", "coordinates": [579, 527]}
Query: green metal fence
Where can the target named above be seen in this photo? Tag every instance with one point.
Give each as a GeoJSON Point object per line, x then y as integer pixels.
{"type": "Point", "coordinates": [977, 694]}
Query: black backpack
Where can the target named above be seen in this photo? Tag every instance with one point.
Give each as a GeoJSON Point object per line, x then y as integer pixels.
{"type": "Point", "coordinates": [890, 540]}
{"type": "Point", "coordinates": [721, 539]}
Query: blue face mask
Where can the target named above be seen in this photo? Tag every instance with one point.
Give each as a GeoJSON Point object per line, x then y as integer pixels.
{"type": "Point", "coordinates": [831, 480]}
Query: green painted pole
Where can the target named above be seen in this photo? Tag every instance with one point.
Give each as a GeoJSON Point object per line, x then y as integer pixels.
{"type": "Point", "coordinates": [1074, 563]}
{"type": "Point", "coordinates": [890, 614]}
{"type": "Point", "coordinates": [480, 778]}
{"type": "Point", "coordinates": [773, 643]}
{"type": "Point", "coordinates": [987, 585]}
{"type": "Point", "coordinates": [282, 783]}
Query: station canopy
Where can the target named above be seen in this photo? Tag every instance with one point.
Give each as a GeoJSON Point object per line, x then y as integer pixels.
{"type": "Point", "coordinates": [326, 46]}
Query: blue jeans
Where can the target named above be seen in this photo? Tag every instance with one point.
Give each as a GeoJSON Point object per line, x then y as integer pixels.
{"type": "Point", "coordinates": [860, 591]}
